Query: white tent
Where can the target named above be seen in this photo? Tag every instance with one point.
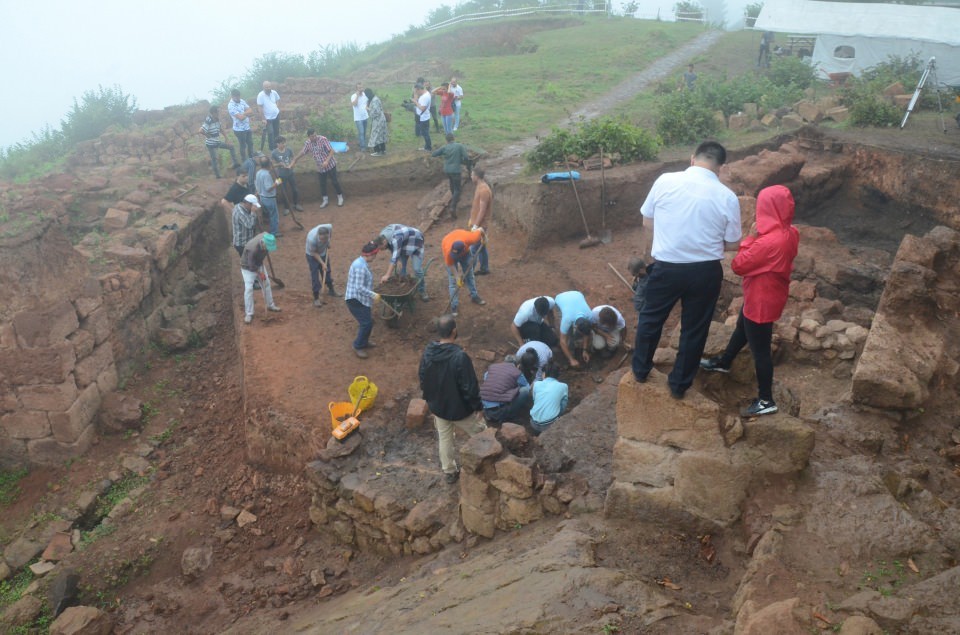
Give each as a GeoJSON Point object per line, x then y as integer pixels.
{"type": "Point", "coordinates": [852, 37]}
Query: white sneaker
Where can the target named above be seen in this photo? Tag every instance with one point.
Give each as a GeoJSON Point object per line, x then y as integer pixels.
{"type": "Point", "coordinates": [339, 200]}
{"type": "Point", "coordinates": [455, 128]}
{"type": "Point", "coordinates": [324, 202]}
{"type": "Point", "coordinates": [274, 308]}
{"type": "Point", "coordinates": [247, 319]}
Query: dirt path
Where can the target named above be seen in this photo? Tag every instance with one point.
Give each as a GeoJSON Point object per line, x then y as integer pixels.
{"type": "Point", "coordinates": [510, 157]}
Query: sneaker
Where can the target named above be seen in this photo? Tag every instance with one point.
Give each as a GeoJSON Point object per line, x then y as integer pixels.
{"type": "Point", "coordinates": [483, 272]}
{"type": "Point", "coordinates": [478, 300]}
{"type": "Point", "coordinates": [425, 297]}
{"type": "Point", "coordinates": [455, 128]}
{"type": "Point", "coordinates": [298, 207]}
{"type": "Point", "coordinates": [324, 202]}
{"type": "Point", "coordinates": [454, 313]}
{"type": "Point", "coordinates": [376, 154]}
{"type": "Point", "coordinates": [339, 200]}
{"type": "Point", "coordinates": [759, 407]}
{"type": "Point", "coordinates": [677, 393]}
{"type": "Point", "coordinates": [451, 477]}
{"type": "Point", "coordinates": [362, 354]}
{"type": "Point", "coordinates": [317, 302]}
{"type": "Point", "coordinates": [274, 308]}
{"type": "Point", "coordinates": [286, 212]}
{"type": "Point", "coordinates": [714, 365]}
{"type": "Point", "coordinates": [247, 319]}
{"type": "Point", "coordinates": [370, 345]}
{"type": "Point", "coordinates": [333, 292]}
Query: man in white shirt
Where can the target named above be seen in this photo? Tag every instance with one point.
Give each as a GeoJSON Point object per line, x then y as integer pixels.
{"type": "Point", "coordinates": [423, 118]}
{"type": "Point", "coordinates": [268, 101]}
{"type": "Point", "coordinates": [693, 219]}
{"type": "Point", "coordinates": [360, 115]}
{"type": "Point", "coordinates": [457, 91]}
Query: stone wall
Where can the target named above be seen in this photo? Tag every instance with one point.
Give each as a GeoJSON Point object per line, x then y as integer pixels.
{"type": "Point", "coordinates": [77, 326]}
{"type": "Point", "coordinates": [691, 462]}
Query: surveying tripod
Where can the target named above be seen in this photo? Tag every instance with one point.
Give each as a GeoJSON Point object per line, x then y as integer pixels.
{"type": "Point", "coordinates": [931, 69]}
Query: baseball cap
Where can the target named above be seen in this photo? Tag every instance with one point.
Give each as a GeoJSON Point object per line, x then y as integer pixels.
{"type": "Point", "coordinates": [457, 246]}
{"type": "Point", "coordinates": [270, 242]}
{"type": "Point", "coordinates": [250, 198]}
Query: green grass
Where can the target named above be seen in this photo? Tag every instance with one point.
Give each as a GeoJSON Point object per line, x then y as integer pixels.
{"type": "Point", "coordinates": [13, 587]}
{"type": "Point", "coordinates": [119, 491]}
{"type": "Point", "coordinates": [10, 486]}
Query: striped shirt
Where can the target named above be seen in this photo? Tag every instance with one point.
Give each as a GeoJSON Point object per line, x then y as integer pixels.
{"type": "Point", "coordinates": [359, 282]}
{"type": "Point", "coordinates": [406, 241]}
{"type": "Point", "coordinates": [320, 149]}
{"type": "Point", "coordinates": [244, 225]}
{"type": "Point", "coordinates": [211, 128]}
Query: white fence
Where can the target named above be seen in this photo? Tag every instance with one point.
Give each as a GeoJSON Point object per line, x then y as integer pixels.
{"type": "Point", "coordinates": [601, 8]}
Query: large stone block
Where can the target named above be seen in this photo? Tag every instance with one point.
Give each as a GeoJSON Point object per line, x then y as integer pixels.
{"type": "Point", "coordinates": [658, 505]}
{"type": "Point", "coordinates": [85, 620]}
{"type": "Point", "coordinates": [480, 448]}
{"type": "Point", "coordinates": [83, 343]}
{"type": "Point", "coordinates": [51, 365]}
{"type": "Point", "coordinates": [26, 424]}
{"type": "Point", "coordinates": [49, 451]}
{"type": "Point", "coordinates": [427, 516]}
{"type": "Point", "coordinates": [98, 324]}
{"type": "Point", "coordinates": [778, 444]}
{"type": "Point", "coordinates": [90, 367]}
{"type": "Point", "coordinates": [710, 486]}
{"type": "Point", "coordinates": [45, 328]}
{"type": "Point", "coordinates": [895, 368]}
{"type": "Point", "coordinates": [115, 220]}
{"type": "Point", "coordinates": [68, 426]}
{"type": "Point", "coordinates": [518, 511]}
{"type": "Point", "coordinates": [52, 397]}
{"type": "Point", "coordinates": [417, 412]}
{"type": "Point", "coordinates": [642, 463]}
{"type": "Point", "coordinates": [515, 469]}
{"type": "Point", "coordinates": [164, 248]}
{"type": "Point", "coordinates": [512, 489]}
{"type": "Point", "coordinates": [108, 380]}
{"type": "Point", "coordinates": [645, 412]}
{"type": "Point", "coordinates": [476, 492]}
{"type": "Point", "coordinates": [477, 521]}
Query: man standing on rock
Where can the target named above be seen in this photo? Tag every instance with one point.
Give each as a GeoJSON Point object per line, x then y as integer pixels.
{"type": "Point", "coordinates": [240, 113]}
{"type": "Point", "coordinates": [244, 222]}
{"type": "Point", "coordinates": [693, 218]}
{"type": "Point", "coordinates": [454, 156]}
{"type": "Point", "coordinates": [322, 152]}
{"type": "Point", "coordinates": [360, 115]}
{"type": "Point", "coordinates": [210, 130]}
{"type": "Point", "coordinates": [318, 259]}
{"type": "Point", "coordinates": [450, 388]}
{"type": "Point", "coordinates": [252, 269]}
{"type": "Point", "coordinates": [268, 101]}
{"type": "Point", "coordinates": [360, 297]}
{"type": "Point", "coordinates": [480, 216]}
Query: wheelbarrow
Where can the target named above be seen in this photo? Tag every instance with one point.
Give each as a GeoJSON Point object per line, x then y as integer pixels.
{"type": "Point", "coordinates": [392, 305]}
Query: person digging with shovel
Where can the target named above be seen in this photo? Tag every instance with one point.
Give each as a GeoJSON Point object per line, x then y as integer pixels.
{"type": "Point", "coordinates": [457, 254]}
{"type": "Point", "coordinates": [318, 259]}
{"type": "Point", "coordinates": [251, 267]}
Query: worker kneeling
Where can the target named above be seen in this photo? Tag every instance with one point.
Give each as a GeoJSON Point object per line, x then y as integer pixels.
{"type": "Point", "coordinates": [505, 391]}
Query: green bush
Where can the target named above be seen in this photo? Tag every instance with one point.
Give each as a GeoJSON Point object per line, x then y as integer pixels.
{"type": "Point", "coordinates": [685, 117]}
{"type": "Point", "coordinates": [43, 153]}
{"type": "Point", "coordinates": [870, 109]}
{"type": "Point", "coordinates": [96, 111]}
{"type": "Point", "coordinates": [791, 71]}
{"type": "Point", "coordinates": [330, 127]}
{"type": "Point", "coordinates": [631, 142]}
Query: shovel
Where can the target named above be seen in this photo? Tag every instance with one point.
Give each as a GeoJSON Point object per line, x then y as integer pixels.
{"type": "Point", "coordinates": [605, 236]}
{"type": "Point", "coordinates": [589, 241]}
{"type": "Point", "coordinates": [287, 199]}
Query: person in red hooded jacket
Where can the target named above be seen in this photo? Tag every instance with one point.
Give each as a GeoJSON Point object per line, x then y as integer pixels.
{"type": "Point", "coordinates": [765, 260]}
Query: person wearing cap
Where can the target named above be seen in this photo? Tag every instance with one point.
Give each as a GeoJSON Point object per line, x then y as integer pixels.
{"type": "Point", "coordinates": [251, 267]}
{"type": "Point", "coordinates": [360, 297]}
{"type": "Point", "coordinates": [455, 248]}
{"type": "Point", "coordinates": [320, 149]}
{"type": "Point", "coordinates": [240, 112]}
{"type": "Point", "coordinates": [454, 156]}
{"type": "Point", "coordinates": [609, 328]}
{"type": "Point", "coordinates": [405, 243]}
{"type": "Point", "coordinates": [574, 326]}
{"type": "Point", "coordinates": [267, 191]}
{"type": "Point", "coordinates": [318, 259]}
{"type": "Point", "coordinates": [244, 222]}
{"type": "Point", "coordinates": [534, 321]}
{"type": "Point", "coordinates": [450, 388]}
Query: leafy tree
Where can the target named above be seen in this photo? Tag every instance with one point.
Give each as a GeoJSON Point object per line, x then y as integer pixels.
{"type": "Point", "coordinates": [96, 111]}
{"type": "Point", "coordinates": [630, 8]}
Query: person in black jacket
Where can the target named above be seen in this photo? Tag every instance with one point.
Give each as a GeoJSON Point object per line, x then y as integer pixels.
{"type": "Point", "coordinates": [450, 388]}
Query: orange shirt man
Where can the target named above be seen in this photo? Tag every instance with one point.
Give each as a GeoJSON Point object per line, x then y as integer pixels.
{"type": "Point", "coordinates": [458, 249]}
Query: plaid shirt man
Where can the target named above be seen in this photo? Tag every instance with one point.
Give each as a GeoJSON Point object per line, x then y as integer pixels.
{"type": "Point", "coordinates": [319, 147]}
{"type": "Point", "coordinates": [359, 282]}
{"type": "Point", "coordinates": [244, 225]}
{"type": "Point", "coordinates": [406, 242]}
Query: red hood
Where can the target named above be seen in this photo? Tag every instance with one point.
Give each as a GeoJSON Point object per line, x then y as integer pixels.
{"type": "Point", "coordinates": [774, 209]}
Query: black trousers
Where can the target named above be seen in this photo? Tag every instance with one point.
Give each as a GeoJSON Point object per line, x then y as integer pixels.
{"type": "Point", "coordinates": [332, 174]}
{"type": "Point", "coordinates": [456, 185]}
{"type": "Point", "coordinates": [696, 286]}
{"type": "Point", "coordinates": [758, 336]}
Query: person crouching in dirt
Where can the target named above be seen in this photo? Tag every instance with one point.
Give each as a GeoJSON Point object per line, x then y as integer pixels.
{"type": "Point", "coordinates": [574, 326]}
{"type": "Point", "coordinates": [609, 329]}
{"type": "Point", "coordinates": [454, 156]}
{"type": "Point", "coordinates": [449, 385]}
{"type": "Point", "coordinates": [251, 267]}
{"type": "Point", "coordinates": [505, 391]}
{"type": "Point", "coordinates": [405, 243]}
{"type": "Point", "coordinates": [318, 259]}
{"type": "Point", "coordinates": [456, 254]}
{"type": "Point", "coordinates": [360, 297]}
{"type": "Point", "coordinates": [534, 321]}
{"type": "Point", "coordinates": [237, 192]}
{"type": "Point", "coordinates": [480, 213]}
{"type": "Point", "coordinates": [550, 398]}
{"type": "Point", "coordinates": [765, 260]}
